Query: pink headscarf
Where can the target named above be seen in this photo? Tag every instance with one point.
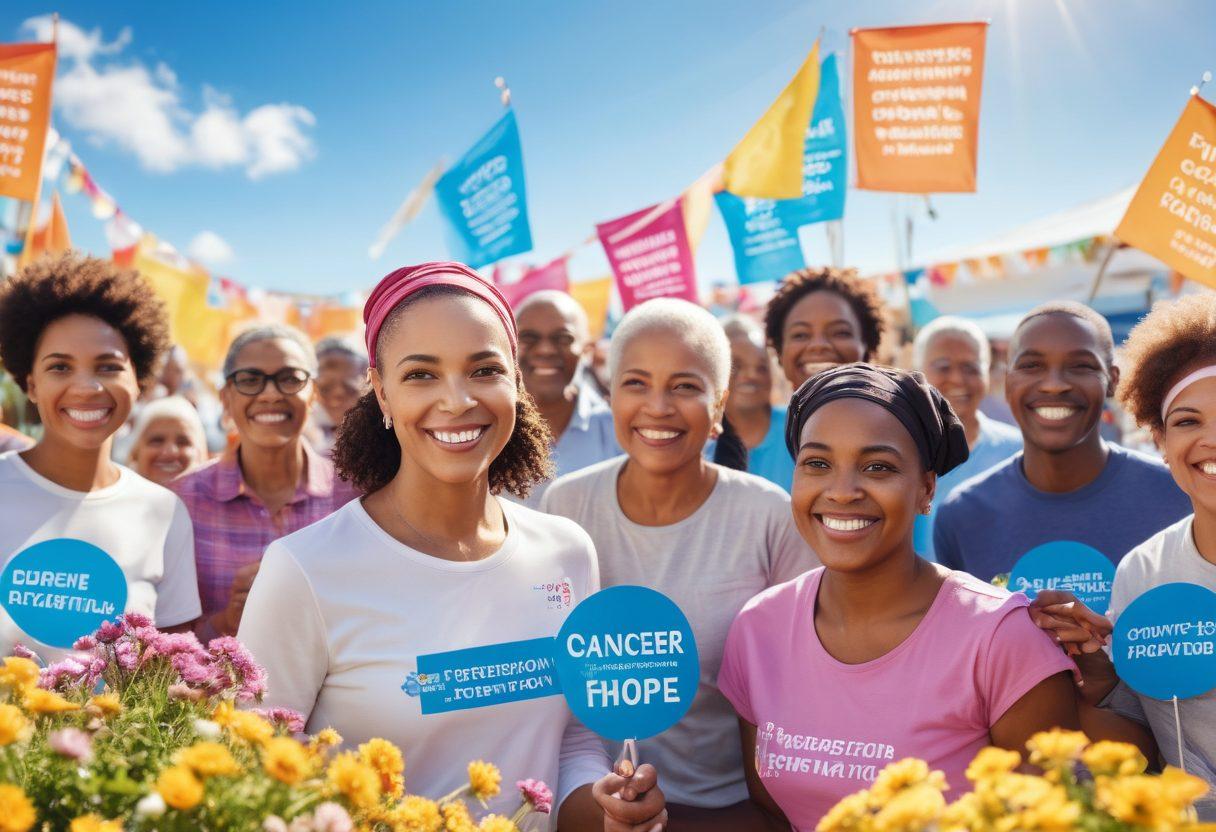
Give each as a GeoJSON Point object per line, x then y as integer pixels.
{"type": "Point", "coordinates": [400, 284]}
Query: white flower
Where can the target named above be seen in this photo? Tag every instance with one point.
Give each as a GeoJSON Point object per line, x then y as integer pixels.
{"type": "Point", "coordinates": [150, 806]}
{"type": "Point", "coordinates": [301, 824]}
{"type": "Point", "coordinates": [274, 823]}
{"type": "Point", "coordinates": [207, 729]}
{"type": "Point", "coordinates": [330, 817]}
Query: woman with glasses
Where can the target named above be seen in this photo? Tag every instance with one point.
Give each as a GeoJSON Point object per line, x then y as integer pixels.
{"type": "Point", "coordinates": [269, 484]}
{"type": "Point", "coordinates": [82, 338]}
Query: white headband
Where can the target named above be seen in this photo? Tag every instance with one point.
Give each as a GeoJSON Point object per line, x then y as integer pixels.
{"type": "Point", "coordinates": [1201, 373]}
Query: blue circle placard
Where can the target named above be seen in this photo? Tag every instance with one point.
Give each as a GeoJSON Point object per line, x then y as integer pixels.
{"type": "Point", "coordinates": [1068, 566]}
{"type": "Point", "coordinates": [59, 590]}
{"type": "Point", "coordinates": [1165, 642]}
{"type": "Point", "coordinates": [627, 661]}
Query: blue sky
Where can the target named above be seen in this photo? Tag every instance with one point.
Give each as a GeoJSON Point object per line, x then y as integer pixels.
{"type": "Point", "coordinates": [333, 111]}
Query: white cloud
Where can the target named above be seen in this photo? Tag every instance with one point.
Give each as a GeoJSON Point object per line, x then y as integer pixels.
{"type": "Point", "coordinates": [140, 110]}
{"type": "Point", "coordinates": [210, 248]}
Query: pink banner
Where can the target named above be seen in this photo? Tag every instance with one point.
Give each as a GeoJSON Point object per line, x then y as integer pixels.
{"type": "Point", "coordinates": [550, 276]}
{"type": "Point", "coordinates": [650, 255]}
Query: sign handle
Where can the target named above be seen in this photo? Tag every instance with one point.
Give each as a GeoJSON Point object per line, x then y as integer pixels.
{"type": "Point", "coordinates": [1178, 728]}
{"type": "Point", "coordinates": [627, 762]}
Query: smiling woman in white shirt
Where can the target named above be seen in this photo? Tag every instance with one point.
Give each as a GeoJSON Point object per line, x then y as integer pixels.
{"type": "Point", "coordinates": [83, 338]}
{"type": "Point", "coordinates": [348, 615]}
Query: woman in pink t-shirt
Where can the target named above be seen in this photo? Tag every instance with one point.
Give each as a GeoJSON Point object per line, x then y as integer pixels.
{"type": "Point", "coordinates": [878, 655]}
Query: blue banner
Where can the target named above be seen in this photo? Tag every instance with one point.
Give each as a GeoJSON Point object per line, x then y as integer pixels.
{"type": "Point", "coordinates": [483, 199]}
{"type": "Point", "coordinates": [764, 232]}
{"type": "Point", "coordinates": [489, 675]}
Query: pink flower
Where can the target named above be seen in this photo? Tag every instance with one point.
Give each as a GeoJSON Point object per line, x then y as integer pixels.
{"type": "Point", "coordinates": [85, 643]}
{"type": "Point", "coordinates": [246, 674]}
{"type": "Point", "coordinates": [192, 671]}
{"type": "Point", "coordinates": [62, 674]}
{"type": "Point", "coordinates": [72, 743]}
{"type": "Point", "coordinates": [108, 632]}
{"type": "Point", "coordinates": [23, 652]}
{"type": "Point", "coordinates": [135, 620]}
{"type": "Point", "coordinates": [330, 817]}
{"type": "Point", "coordinates": [185, 693]}
{"type": "Point", "coordinates": [125, 655]}
{"type": "Point", "coordinates": [536, 793]}
{"type": "Point", "coordinates": [293, 721]}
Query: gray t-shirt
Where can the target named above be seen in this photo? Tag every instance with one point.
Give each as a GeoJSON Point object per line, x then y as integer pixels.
{"type": "Point", "coordinates": [1170, 556]}
{"type": "Point", "coordinates": [741, 541]}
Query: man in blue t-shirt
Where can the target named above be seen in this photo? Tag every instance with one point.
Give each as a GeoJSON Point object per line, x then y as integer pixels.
{"type": "Point", "coordinates": [1067, 484]}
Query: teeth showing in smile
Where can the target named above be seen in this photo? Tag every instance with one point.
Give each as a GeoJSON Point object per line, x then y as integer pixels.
{"type": "Point", "coordinates": [1208, 468]}
{"type": "Point", "coordinates": [270, 418]}
{"type": "Point", "coordinates": [88, 415]}
{"type": "Point", "coordinates": [658, 435]}
{"type": "Point", "coordinates": [456, 437]}
{"type": "Point", "coordinates": [853, 524]}
{"type": "Point", "coordinates": [1055, 414]}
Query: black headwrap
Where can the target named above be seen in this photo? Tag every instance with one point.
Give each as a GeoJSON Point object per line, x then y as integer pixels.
{"type": "Point", "coordinates": [937, 432]}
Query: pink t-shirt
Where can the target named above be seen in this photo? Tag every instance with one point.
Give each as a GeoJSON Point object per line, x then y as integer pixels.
{"type": "Point", "coordinates": [824, 729]}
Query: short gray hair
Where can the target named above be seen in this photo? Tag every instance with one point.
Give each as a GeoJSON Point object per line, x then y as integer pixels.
{"type": "Point", "coordinates": [269, 332]}
{"type": "Point", "coordinates": [739, 325]}
{"type": "Point", "coordinates": [170, 407]}
{"type": "Point", "coordinates": [564, 302]}
{"type": "Point", "coordinates": [951, 325]}
{"type": "Point", "coordinates": [695, 326]}
{"type": "Point", "coordinates": [348, 345]}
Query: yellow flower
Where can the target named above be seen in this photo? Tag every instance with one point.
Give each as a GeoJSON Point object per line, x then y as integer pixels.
{"type": "Point", "coordinates": [496, 823]}
{"type": "Point", "coordinates": [209, 759]}
{"type": "Point", "coordinates": [904, 774]}
{"type": "Point", "coordinates": [1109, 759]}
{"type": "Point", "coordinates": [1139, 800]}
{"type": "Point", "coordinates": [963, 815]}
{"type": "Point", "coordinates": [222, 715]}
{"type": "Point", "coordinates": [992, 762]}
{"type": "Point", "coordinates": [16, 811]}
{"type": "Point", "coordinates": [911, 809]}
{"type": "Point", "coordinates": [39, 701]}
{"type": "Point", "coordinates": [417, 814]}
{"type": "Point", "coordinates": [386, 759]}
{"type": "Point", "coordinates": [95, 823]}
{"type": "Point", "coordinates": [1056, 748]}
{"type": "Point", "coordinates": [286, 760]}
{"type": "Point", "coordinates": [456, 818]}
{"type": "Point", "coordinates": [1180, 788]}
{"type": "Point", "coordinates": [18, 673]}
{"type": "Point", "coordinates": [484, 780]}
{"type": "Point", "coordinates": [325, 739]}
{"type": "Point", "coordinates": [106, 704]}
{"type": "Point", "coordinates": [248, 726]}
{"type": "Point", "coordinates": [179, 787]}
{"type": "Point", "coordinates": [355, 780]}
{"type": "Point", "coordinates": [849, 815]}
{"type": "Point", "coordinates": [13, 725]}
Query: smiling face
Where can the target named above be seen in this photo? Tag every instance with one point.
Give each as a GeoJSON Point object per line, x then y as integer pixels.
{"type": "Point", "coordinates": [664, 406]}
{"type": "Point", "coordinates": [447, 378]}
{"type": "Point", "coordinates": [83, 382]}
{"type": "Point", "coordinates": [952, 365]}
{"type": "Point", "coordinates": [552, 341]}
{"type": "Point", "coordinates": [1058, 381]}
{"type": "Point", "coordinates": [751, 376]}
{"type": "Point", "coordinates": [858, 485]}
{"type": "Point", "coordinates": [341, 380]}
{"type": "Point", "coordinates": [820, 329]}
{"type": "Point", "coordinates": [1188, 441]}
{"type": "Point", "coordinates": [166, 450]}
{"type": "Point", "coordinates": [269, 419]}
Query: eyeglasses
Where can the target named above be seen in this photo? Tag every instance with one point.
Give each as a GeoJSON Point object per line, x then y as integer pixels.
{"type": "Point", "coordinates": [288, 381]}
{"type": "Point", "coordinates": [561, 340]}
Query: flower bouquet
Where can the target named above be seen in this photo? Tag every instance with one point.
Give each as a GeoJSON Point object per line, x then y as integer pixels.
{"type": "Point", "coordinates": [146, 730]}
{"type": "Point", "coordinates": [1099, 787]}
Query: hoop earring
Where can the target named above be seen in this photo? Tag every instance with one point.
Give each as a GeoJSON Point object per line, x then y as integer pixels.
{"type": "Point", "coordinates": [388, 422]}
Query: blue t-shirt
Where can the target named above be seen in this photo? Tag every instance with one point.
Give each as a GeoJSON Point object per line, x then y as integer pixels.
{"type": "Point", "coordinates": [993, 519]}
{"type": "Point", "coordinates": [589, 438]}
{"type": "Point", "coordinates": [770, 459]}
{"type": "Point", "coordinates": [998, 441]}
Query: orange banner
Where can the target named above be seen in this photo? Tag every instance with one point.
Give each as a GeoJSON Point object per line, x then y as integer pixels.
{"type": "Point", "coordinates": [1173, 214]}
{"type": "Point", "coordinates": [26, 73]}
{"type": "Point", "coordinates": [916, 106]}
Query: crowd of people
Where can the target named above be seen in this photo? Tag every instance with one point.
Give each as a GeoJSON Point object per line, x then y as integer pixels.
{"type": "Point", "coordinates": [835, 530]}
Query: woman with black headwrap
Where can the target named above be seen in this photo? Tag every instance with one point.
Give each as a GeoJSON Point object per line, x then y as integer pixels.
{"type": "Point", "coordinates": [878, 655]}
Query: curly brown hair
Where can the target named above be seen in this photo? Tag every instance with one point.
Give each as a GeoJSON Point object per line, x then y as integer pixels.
{"type": "Point", "coordinates": [860, 295]}
{"type": "Point", "coordinates": [369, 455]}
{"type": "Point", "coordinates": [1173, 337]}
{"type": "Point", "coordinates": [55, 286]}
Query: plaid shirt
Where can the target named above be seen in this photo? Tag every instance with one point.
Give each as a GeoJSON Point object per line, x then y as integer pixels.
{"type": "Point", "coordinates": [232, 527]}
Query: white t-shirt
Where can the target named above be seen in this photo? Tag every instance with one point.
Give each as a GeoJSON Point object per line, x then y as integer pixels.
{"type": "Point", "coordinates": [145, 528]}
{"type": "Point", "coordinates": [341, 611]}
{"type": "Point", "coordinates": [741, 541]}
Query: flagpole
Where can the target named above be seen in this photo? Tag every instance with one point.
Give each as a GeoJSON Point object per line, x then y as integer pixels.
{"type": "Point", "coordinates": [26, 250]}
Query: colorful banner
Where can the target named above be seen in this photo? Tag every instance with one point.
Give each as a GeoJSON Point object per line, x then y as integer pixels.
{"type": "Point", "coordinates": [764, 232]}
{"type": "Point", "coordinates": [1173, 214]}
{"type": "Point", "coordinates": [26, 73]}
{"type": "Point", "coordinates": [483, 198]}
{"type": "Point", "coordinates": [549, 276]}
{"type": "Point", "coordinates": [594, 296]}
{"type": "Point", "coordinates": [767, 162]}
{"type": "Point", "coordinates": [916, 106]}
{"type": "Point", "coordinates": [649, 254]}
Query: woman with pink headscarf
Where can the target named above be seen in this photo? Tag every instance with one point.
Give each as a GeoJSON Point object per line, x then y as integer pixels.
{"type": "Point", "coordinates": [431, 561]}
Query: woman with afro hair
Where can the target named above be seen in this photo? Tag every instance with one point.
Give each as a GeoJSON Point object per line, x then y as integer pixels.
{"type": "Point", "coordinates": [83, 338]}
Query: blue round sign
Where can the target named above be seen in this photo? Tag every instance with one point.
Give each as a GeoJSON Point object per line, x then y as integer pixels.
{"type": "Point", "coordinates": [627, 661]}
{"type": "Point", "coordinates": [1068, 566]}
{"type": "Point", "coordinates": [1165, 642]}
{"type": "Point", "coordinates": [62, 589]}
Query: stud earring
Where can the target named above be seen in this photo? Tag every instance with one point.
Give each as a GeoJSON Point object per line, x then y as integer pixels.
{"type": "Point", "coordinates": [926, 509]}
{"type": "Point", "coordinates": [388, 422]}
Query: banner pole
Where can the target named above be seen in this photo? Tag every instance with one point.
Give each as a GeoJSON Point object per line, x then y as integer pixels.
{"type": "Point", "coordinates": [1110, 253]}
